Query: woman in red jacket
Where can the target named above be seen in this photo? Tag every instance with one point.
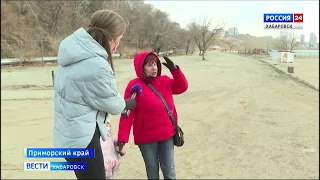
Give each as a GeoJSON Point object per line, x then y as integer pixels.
{"type": "Point", "coordinates": [152, 127]}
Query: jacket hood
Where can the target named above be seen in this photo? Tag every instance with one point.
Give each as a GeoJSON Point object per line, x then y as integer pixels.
{"type": "Point", "coordinates": [79, 46]}
{"type": "Point", "coordinates": [138, 64]}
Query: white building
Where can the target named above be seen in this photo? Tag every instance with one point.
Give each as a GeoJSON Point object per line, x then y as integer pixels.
{"type": "Point", "coordinates": [284, 34]}
{"type": "Point", "coordinates": [290, 35]}
{"type": "Point", "coordinates": [313, 40]}
{"type": "Point", "coordinates": [233, 32]}
{"type": "Point", "coordinates": [302, 38]}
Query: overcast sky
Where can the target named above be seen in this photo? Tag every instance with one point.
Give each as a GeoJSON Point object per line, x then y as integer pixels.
{"type": "Point", "coordinates": [247, 16]}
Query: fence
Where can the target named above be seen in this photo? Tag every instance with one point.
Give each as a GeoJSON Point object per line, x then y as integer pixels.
{"type": "Point", "coordinates": [45, 50]}
{"type": "Point", "coordinates": [29, 49]}
{"type": "Point", "coordinates": [299, 54]}
{"type": "Point", "coordinates": [306, 54]}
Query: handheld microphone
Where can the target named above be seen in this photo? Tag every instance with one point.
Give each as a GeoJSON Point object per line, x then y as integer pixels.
{"type": "Point", "coordinates": [135, 90]}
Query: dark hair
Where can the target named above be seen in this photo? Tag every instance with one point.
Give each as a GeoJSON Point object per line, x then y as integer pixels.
{"type": "Point", "coordinates": [104, 26]}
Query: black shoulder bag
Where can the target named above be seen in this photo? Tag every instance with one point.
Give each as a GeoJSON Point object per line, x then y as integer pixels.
{"type": "Point", "coordinates": [178, 138]}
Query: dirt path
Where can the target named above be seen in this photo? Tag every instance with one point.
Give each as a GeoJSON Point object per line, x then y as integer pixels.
{"type": "Point", "coordinates": [306, 69]}
{"type": "Point", "coordinates": [241, 119]}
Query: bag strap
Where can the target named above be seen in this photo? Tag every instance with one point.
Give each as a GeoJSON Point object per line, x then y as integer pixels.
{"type": "Point", "coordinates": [170, 112]}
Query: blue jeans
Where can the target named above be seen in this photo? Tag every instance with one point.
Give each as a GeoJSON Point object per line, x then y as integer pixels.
{"type": "Point", "coordinates": [159, 152]}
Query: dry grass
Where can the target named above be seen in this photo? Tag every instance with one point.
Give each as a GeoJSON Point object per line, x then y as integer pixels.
{"type": "Point", "coordinates": [245, 121]}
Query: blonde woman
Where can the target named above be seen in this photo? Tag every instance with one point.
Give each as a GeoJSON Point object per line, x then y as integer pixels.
{"type": "Point", "coordinates": [86, 90]}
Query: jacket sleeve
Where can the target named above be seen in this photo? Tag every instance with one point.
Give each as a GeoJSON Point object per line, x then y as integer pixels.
{"type": "Point", "coordinates": [101, 93]}
{"type": "Point", "coordinates": [179, 83]}
{"type": "Point", "coordinates": [125, 124]}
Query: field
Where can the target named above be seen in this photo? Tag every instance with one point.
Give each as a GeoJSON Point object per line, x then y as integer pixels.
{"type": "Point", "coordinates": [241, 119]}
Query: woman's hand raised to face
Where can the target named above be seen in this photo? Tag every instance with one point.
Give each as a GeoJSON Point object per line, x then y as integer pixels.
{"type": "Point", "coordinates": [169, 64]}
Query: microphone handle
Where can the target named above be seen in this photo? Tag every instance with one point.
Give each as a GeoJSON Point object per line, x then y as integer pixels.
{"type": "Point", "coordinates": [125, 113]}
{"type": "Point", "coordinates": [133, 95]}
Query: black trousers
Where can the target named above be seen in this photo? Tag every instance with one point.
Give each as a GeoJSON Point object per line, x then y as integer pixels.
{"type": "Point", "coordinates": [95, 166]}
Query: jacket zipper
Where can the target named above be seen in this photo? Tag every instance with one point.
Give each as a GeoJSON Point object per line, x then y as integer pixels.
{"type": "Point", "coordinates": [105, 117]}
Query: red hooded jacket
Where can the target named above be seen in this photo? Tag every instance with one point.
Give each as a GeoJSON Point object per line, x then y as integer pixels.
{"type": "Point", "coordinates": [150, 119]}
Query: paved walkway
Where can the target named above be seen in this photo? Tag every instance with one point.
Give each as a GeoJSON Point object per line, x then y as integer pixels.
{"type": "Point", "coordinates": [305, 70]}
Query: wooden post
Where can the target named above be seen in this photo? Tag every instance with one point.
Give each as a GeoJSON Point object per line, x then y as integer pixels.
{"type": "Point", "coordinates": [290, 69]}
{"type": "Point", "coordinates": [52, 76]}
{"type": "Point", "coordinates": [41, 42]}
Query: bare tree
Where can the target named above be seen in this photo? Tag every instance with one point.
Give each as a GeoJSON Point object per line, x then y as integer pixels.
{"type": "Point", "coordinates": [282, 44]}
{"type": "Point", "coordinates": [143, 26]}
{"type": "Point", "coordinates": [50, 14]}
{"type": "Point", "coordinates": [247, 43]}
{"type": "Point", "coordinates": [7, 19]}
{"type": "Point", "coordinates": [180, 39]}
{"type": "Point", "coordinates": [158, 30]}
{"type": "Point", "coordinates": [147, 27]}
{"type": "Point", "coordinates": [265, 42]}
{"type": "Point", "coordinates": [203, 36]}
{"type": "Point", "coordinates": [285, 43]}
{"type": "Point", "coordinates": [79, 11]}
{"type": "Point", "coordinates": [23, 6]}
{"type": "Point", "coordinates": [188, 38]}
{"type": "Point", "coordinates": [293, 41]}
{"type": "Point", "coordinates": [187, 46]}
{"type": "Point", "coordinates": [231, 44]}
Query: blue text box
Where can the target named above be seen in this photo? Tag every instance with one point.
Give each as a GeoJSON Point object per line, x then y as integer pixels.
{"type": "Point", "coordinates": [59, 152]}
{"type": "Point", "coordinates": [278, 18]}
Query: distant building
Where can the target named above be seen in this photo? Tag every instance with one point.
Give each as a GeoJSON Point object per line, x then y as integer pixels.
{"type": "Point", "coordinates": [313, 40]}
{"type": "Point", "coordinates": [233, 31]}
{"type": "Point", "coordinates": [290, 35]}
{"type": "Point", "coordinates": [243, 35]}
{"type": "Point", "coordinates": [283, 34]}
{"type": "Point", "coordinates": [302, 38]}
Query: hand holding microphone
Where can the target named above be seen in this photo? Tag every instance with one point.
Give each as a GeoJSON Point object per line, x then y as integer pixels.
{"type": "Point", "coordinates": [130, 102]}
